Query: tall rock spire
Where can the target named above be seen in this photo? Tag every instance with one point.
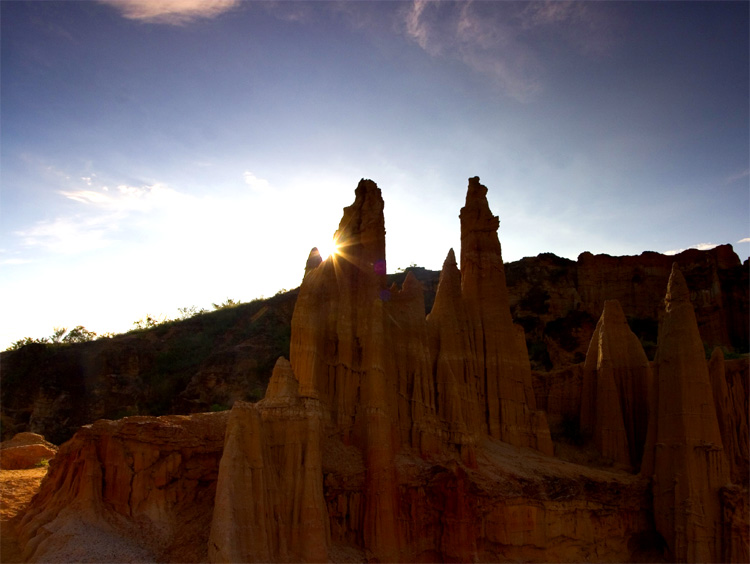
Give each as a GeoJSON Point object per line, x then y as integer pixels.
{"type": "Point", "coordinates": [684, 453]}
{"type": "Point", "coordinates": [502, 361]}
{"type": "Point", "coordinates": [338, 353]}
{"type": "Point", "coordinates": [614, 400]}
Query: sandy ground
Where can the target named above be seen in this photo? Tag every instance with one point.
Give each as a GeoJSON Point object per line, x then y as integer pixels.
{"type": "Point", "coordinates": [17, 487]}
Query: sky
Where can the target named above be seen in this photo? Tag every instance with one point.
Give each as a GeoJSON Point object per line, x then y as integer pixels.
{"type": "Point", "coordinates": [157, 155]}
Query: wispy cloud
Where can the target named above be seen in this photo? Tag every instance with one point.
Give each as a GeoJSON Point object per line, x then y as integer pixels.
{"type": "Point", "coordinates": [492, 47]}
{"type": "Point", "coordinates": [125, 198]}
{"type": "Point", "coordinates": [745, 240]}
{"type": "Point", "coordinates": [481, 38]}
{"type": "Point", "coordinates": [739, 176]}
{"type": "Point", "coordinates": [104, 213]}
{"type": "Point", "coordinates": [498, 39]}
{"type": "Point", "coordinates": [67, 235]}
{"type": "Point", "coordinates": [171, 12]}
{"type": "Point", "coordinates": [699, 246]}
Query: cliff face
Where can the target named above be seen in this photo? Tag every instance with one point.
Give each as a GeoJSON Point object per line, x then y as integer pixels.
{"type": "Point", "coordinates": [558, 301]}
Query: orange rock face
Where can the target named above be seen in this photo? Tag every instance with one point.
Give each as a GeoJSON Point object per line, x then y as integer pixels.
{"type": "Point", "coordinates": [614, 399]}
{"type": "Point", "coordinates": [684, 452]}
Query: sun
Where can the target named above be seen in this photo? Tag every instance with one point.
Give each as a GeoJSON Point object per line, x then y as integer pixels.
{"type": "Point", "coordinates": [328, 250]}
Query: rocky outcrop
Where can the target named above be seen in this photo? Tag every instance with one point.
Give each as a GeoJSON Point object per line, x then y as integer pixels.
{"type": "Point", "coordinates": [25, 450]}
{"type": "Point", "coordinates": [614, 399]}
{"type": "Point", "coordinates": [684, 453]}
{"type": "Point", "coordinates": [141, 488]}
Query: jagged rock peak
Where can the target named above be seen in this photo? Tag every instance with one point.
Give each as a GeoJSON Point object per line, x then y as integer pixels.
{"type": "Point", "coordinates": [313, 260]}
{"type": "Point", "coordinates": [476, 213]}
{"type": "Point", "coordinates": [677, 288]}
{"type": "Point", "coordinates": [366, 185]}
{"type": "Point", "coordinates": [450, 259]}
{"type": "Point", "coordinates": [361, 233]}
{"type": "Point", "coordinates": [282, 385]}
{"type": "Point", "coordinates": [411, 284]}
{"type": "Point", "coordinates": [448, 292]}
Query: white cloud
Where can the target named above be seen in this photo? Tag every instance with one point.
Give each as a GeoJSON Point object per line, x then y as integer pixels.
{"type": "Point", "coordinates": [260, 185]}
{"type": "Point", "coordinates": [699, 246]}
{"type": "Point", "coordinates": [745, 240]}
{"type": "Point", "coordinates": [171, 12]}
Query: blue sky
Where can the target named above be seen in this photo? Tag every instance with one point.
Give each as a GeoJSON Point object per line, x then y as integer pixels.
{"type": "Point", "coordinates": [164, 154]}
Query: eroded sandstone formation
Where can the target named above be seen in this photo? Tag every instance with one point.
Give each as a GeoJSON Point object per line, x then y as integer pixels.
{"type": "Point", "coordinates": [138, 489]}
{"type": "Point", "coordinates": [614, 398]}
{"type": "Point", "coordinates": [684, 453]}
{"type": "Point", "coordinates": [393, 436]}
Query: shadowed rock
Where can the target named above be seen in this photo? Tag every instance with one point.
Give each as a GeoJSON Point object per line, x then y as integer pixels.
{"type": "Point", "coordinates": [614, 400]}
{"type": "Point", "coordinates": [269, 495]}
{"type": "Point", "coordinates": [684, 453]}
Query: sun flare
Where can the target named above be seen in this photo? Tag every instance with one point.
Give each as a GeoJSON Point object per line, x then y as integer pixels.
{"type": "Point", "coordinates": [328, 249]}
